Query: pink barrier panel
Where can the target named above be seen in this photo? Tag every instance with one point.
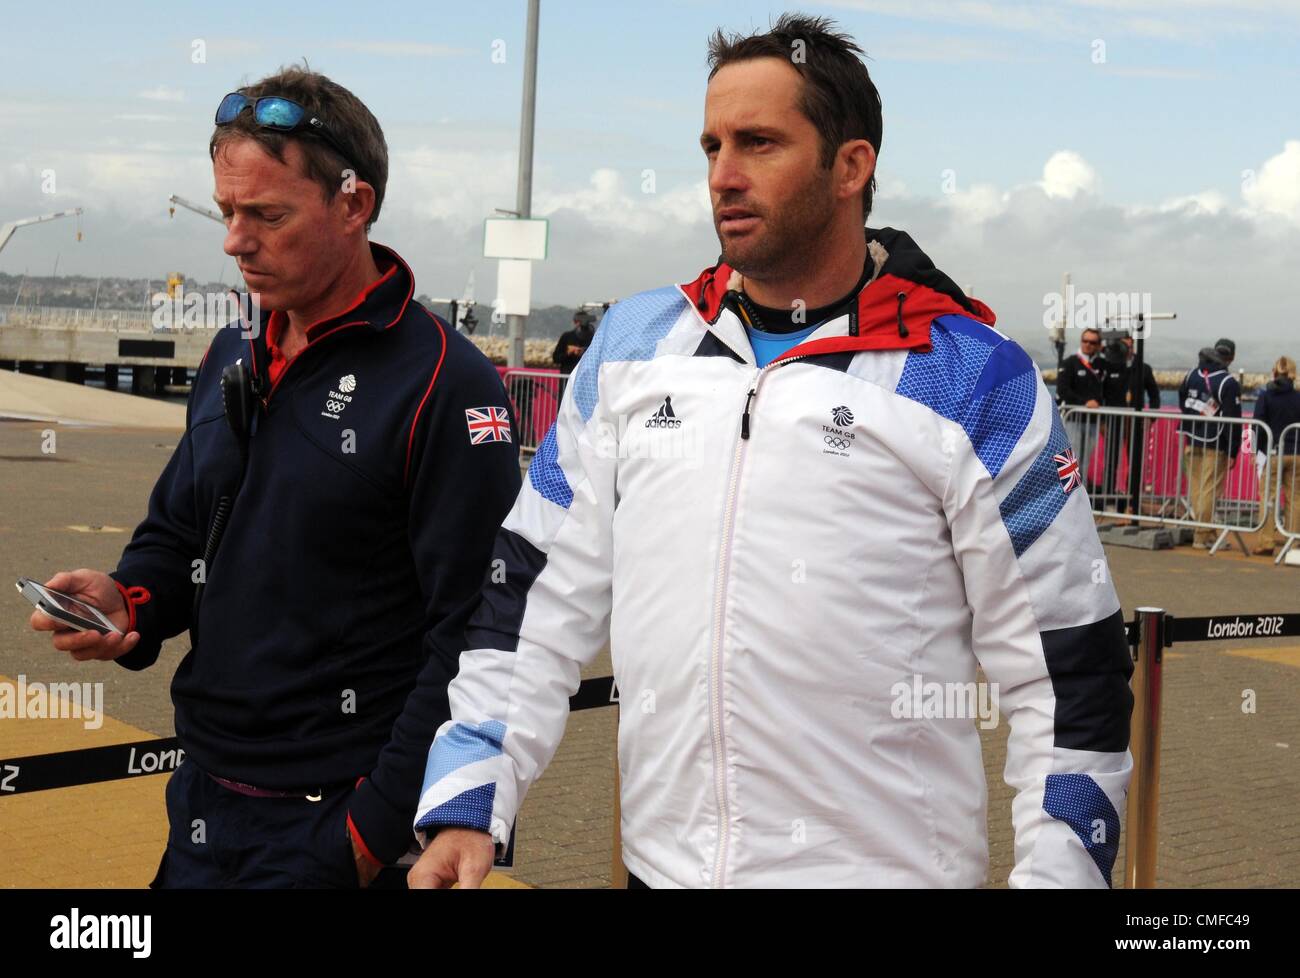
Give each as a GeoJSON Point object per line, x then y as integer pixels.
{"type": "Point", "coordinates": [1164, 455]}
{"type": "Point", "coordinates": [535, 398]}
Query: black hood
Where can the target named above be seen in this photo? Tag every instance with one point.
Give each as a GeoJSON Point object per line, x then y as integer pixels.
{"type": "Point", "coordinates": [1210, 358]}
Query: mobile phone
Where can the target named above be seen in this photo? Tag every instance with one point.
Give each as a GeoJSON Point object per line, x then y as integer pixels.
{"type": "Point", "coordinates": [63, 608]}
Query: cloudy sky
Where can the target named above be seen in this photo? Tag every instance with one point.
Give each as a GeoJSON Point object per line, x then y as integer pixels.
{"type": "Point", "coordinates": [1148, 146]}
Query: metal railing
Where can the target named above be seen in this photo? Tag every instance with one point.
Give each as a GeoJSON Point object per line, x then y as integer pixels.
{"type": "Point", "coordinates": [535, 398]}
{"type": "Point", "coordinates": [1140, 465]}
{"type": "Point", "coordinates": [58, 317]}
{"type": "Point", "coordinates": [1286, 496]}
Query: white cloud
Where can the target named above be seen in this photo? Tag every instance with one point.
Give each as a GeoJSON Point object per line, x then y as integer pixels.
{"type": "Point", "coordinates": [1172, 74]}
{"type": "Point", "coordinates": [161, 93]}
{"type": "Point", "coordinates": [460, 187]}
{"type": "Point", "coordinates": [144, 117]}
{"type": "Point", "coordinates": [976, 204]}
{"type": "Point", "coordinates": [1275, 189]}
{"type": "Point", "coordinates": [606, 204]}
{"type": "Point", "coordinates": [1207, 202]}
{"type": "Point", "coordinates": [1067, 174]}
{"type": "Point", "coordinates": [1183, 21]}
{"type": "Point", "coordinates": [414, 49]}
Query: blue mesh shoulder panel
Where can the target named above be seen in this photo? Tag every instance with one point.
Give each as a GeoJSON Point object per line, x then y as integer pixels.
{"type": "Point", "coordinates": [629, 331]}
{"type": "Point", "coordinates": [975, 377]}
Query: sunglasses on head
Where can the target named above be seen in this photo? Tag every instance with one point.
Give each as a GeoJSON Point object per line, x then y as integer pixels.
{"type": "Point", "coordinates": [278, 113]}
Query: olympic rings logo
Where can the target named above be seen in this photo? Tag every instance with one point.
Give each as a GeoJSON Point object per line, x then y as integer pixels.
{"type": "Point", "coordinates": [834, 442]}
{"type": "Point", "coordinates": [334, 406]}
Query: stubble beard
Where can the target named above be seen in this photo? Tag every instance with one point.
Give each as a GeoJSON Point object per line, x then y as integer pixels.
{"type": "Point", "coordinates": [791, 233]}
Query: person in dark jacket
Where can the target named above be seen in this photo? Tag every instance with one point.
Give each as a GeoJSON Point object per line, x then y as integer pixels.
{"type": "Point", "coordinates": [1135, 386]}
{"type": "Point", "coordinates": [1209, 447]}
{"type": "Point", "coordinates": [359, 511]}
{"type": "Point", "coordinates": [573, 343]}
{"type": "Point", "coordinates": [1278, 406]}
{"type": "Point", "coordinates": [1122, 388]}
{"type": "Point", "coordinates": [1081, 383]}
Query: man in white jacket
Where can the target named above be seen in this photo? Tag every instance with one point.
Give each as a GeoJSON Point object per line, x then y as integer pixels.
{"type": "Point", "coordinates": [804, 498]}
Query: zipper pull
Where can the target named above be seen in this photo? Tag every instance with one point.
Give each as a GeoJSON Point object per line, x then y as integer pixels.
{"type": "Point", "coordinates": [744, 418]}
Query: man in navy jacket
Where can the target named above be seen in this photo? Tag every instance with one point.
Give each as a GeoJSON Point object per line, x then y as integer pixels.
{"type": "Point", "coordinates": [358, 524]}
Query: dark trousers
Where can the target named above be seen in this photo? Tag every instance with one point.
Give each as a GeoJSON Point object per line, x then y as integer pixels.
{"type": "Point", "coordinates": [218, 838]}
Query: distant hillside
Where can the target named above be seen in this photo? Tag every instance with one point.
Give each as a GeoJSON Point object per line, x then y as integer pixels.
{"type": "Point", "coordinates": [544, 322]}
{"type": "Point", "coordinates": [78, 291]}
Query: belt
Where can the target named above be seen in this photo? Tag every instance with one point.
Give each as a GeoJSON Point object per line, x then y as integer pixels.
{"type": "Point", "coordinates": [252, 791]}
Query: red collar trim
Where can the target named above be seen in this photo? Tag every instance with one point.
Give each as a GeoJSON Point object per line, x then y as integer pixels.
{"type": "Point", "coordinates": [707, 291]}
{"type": "Point", "coordinates": [877, 313]}
{"type": "Point", "coordinates": [278, 319]}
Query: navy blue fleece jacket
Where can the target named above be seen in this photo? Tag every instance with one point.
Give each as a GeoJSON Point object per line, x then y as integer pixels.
{"type": "Point", "coordinates": [332, 615]}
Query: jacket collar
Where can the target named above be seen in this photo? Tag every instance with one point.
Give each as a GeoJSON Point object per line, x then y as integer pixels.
{"type": "Point", "coordinates": [379, 305]}
{"type": "Point", "coordinates": [893, 311]}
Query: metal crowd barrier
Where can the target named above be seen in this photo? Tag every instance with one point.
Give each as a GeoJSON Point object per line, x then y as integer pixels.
{"type": "Point", "coordinates": [1286, 505]}
{"type": "Point", "coordinates": [67, 317]}
{"type": "Point", "coordinates": [535, 397]}
{"type": "Point", "coordinates": [1138, 465]}
{"type": "Point", "coordinates": [1152, 633]}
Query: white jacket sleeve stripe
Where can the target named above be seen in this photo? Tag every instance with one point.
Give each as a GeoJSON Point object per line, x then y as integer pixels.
{"type": "Point", "coordinates": [545, 606]}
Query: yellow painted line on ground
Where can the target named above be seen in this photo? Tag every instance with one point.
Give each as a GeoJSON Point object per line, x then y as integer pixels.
{"type": "Point", "coordinates": [96, 835]}
{"type": "Point", "coordinates": [107, 835]}
{"type": "Point", "coordinates": [1288, 655]}
{"type": "Point", "coordinates": [500, 881]}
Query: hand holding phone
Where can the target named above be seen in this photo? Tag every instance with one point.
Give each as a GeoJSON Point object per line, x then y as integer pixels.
{"type": "Point", "coordinates": [85, 611]}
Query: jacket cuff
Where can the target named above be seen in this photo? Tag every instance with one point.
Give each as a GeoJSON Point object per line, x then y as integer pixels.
{"type": "Point", "coordinates": [380, 830]}
{"type": "Point", "coordinates": [138, 605]}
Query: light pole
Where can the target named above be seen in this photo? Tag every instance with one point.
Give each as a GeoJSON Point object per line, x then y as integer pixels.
{"type": "Point", "coordinates": [524, 192]}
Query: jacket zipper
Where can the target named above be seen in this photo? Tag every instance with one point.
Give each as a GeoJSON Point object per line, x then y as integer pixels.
{"type": "Point", "coordinates": [719, 612]}
{"type": "Point", "coordinates": [753, 391]}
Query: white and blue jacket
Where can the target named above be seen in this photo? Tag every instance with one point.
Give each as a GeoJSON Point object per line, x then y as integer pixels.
{"type": "Point", "coordinates": [800, 572]}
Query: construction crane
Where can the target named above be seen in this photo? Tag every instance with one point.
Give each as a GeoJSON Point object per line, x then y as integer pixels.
{"type": "Point", "coordinates": [7, 230]}
{"type": "Point", "coordinates": [189, 205]}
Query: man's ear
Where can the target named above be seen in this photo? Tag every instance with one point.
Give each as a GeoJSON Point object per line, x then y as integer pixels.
{"type": "Point", "coordinates": [856, 163]}
{"type": "Point", "coordinates": [358, 198]}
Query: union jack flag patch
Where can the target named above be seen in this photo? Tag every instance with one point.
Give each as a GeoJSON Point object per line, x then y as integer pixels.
{"type": "Point", "coordinates": [1067, 469]}
{"type": "Point", "coordinates": [487, 424]}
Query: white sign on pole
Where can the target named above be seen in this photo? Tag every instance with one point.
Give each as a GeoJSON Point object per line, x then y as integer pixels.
{"type": "Point", "coordinates": [508, 237]}
{"type": "Point", "coordinates": [514, 286]}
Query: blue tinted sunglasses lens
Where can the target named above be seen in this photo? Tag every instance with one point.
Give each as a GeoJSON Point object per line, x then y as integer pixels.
{"type": "Point", "coordinates": [230, 106]}
{"type": "Point", "coordinates": [277, 112]}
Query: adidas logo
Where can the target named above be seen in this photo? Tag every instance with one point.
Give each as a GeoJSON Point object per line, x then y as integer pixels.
{"type": "Point", "coordinates": [664, 417]}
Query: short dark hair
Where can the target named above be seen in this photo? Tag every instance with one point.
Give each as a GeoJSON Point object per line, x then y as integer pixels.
{"type": "Point", "coordinates": [347, 117]}
{"type": "Point", "coordinates": [839, 97]}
